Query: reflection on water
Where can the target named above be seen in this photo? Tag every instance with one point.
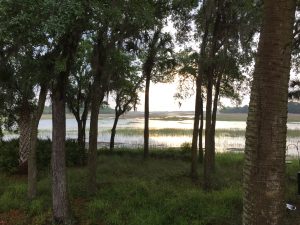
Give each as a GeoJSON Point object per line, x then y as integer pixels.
{"type": "Point", "coordinates": [223, 142]}
{"type": "Point", "coordinates": [46, 124]}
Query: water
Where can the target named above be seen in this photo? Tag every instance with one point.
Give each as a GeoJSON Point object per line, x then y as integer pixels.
{"type": "Point", "coordinates": [223, 142]}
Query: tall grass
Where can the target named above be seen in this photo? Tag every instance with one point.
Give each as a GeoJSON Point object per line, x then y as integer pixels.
{"type": "Point", "coordinates": [137, 192]}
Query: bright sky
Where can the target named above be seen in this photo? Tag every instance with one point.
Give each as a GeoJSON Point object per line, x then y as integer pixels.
{"type": "Point", "coordinates": [161, 99]}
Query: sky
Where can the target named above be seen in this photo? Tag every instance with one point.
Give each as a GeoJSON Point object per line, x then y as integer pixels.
{"type": "Point", "coordinates": [162, 94]}
{"type": "Point", "coordinates": [162, 99]}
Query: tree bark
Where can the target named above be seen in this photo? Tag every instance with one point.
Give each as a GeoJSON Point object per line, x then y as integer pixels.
{"type": "Point", "coordinates": [209, 151]}
{"type": "Point", "coordinates": [264, 168]}
{"type": "Point", "coordinates": [201, 154]}
{"type": "Point", "coordinates": [61, 214]}
{"type": "Point", "coordinates": [83, 120]}
{"type": "Point", "coordinates": [99, 88]}
{"type": "Point", "coordinates": [113, 132]}
{"type": "Point", "coordinates": [214, 119]}
{"type": "Point", "coordinates": [80, 118]}
{"type": "Point", "coordinates": [81, 134]}
{"type": "Point", "coordinates": [93, 136]}
{"type": "Point", "coordinates": [196, 129]}
{"type": "Point", "coordinates": [208, 157]}
{"type": "Point", "coordinates": [146, 128]}
{"type": "Point", "coordinates": [32, 167]}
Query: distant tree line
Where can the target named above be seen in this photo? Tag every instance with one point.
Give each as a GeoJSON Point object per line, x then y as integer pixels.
{"type": "Point", "coordinates": [104, 109]}
{"type": "Point", "coordinates": [293, 107]}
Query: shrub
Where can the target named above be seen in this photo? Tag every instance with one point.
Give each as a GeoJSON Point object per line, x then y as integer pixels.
{"type": "Point", "coordinates": [43, 154]}
{"type": "Point", "coordinates": [186, 147]}
{"type": "Point", "coordinates": [9, 155]}
{"type": "Point", "coordinates": [75, 156]}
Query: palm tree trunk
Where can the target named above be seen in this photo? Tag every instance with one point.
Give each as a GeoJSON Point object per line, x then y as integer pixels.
{"type": "Point", "coordinates": [24, 139]}
{"type": "Point", "coordinates": [146, 128]}
{"type": "Point", "coordinates": [264, 168]}
{"type": "Point", "coordinates": [61, 214]}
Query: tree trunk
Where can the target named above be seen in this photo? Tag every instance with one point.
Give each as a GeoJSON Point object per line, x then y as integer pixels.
{"type": "Point", "coordinates": [146, 128]}
{"type": "Point", "coordinates": [81, 134]}
{"type": "Point", "coordinates": [32, 167]}
{"type": "Point", "coordinates": [208, 157]}
{"type": "Point", "coordinates": [200, 157]}
{"type": "Point", "coordinates": [214, 119]}
{"type": "Point", "coordinates": [84, 133]}
{"type": "Point", "coordinates": [196, 129]}
{"type": "Point", "coordinates": [113, 132]}
{"type": "Point", "coordinates": [93, 136]}
{"type": "Point", "coordinates": [84, 119]}
{"type": "Point", "coordinates": [24, 139]}
{"type": "Point", "coordinates": [264, 168]}
{"type": "Point", "coordinates": [61, 214]}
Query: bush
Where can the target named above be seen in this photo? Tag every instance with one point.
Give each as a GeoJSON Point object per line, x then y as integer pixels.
{"type": "Point", "coordinates": [75, 156]}
{"type": "Point", "coordinates": [43, 154]}
{"type": "Point", "coordinates": [186, 147]}
{"type": "Point", "coordinates": [9, 155]}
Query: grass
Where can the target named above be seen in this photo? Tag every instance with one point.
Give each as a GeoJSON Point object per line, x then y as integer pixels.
{"type": "Point", "coordinates": [222, 117]}
{"type": "Point", "coordinates": [184, 116]}
{"type": "Point", "coordinates": [176, 132]}
{"type": "Point", "coordinates": [188, 132]}
{"type": "Point", "coordinates": [137, 192]}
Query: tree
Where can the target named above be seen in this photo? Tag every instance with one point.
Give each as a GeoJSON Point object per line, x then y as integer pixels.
{"type": "Point", "coordinates": [126, 85]}
{"type": "Point", "coordinates": [22, 70]}
{"type": "Point", "coordinates": [68, 44]}
{"type": "Point", "coordinates": [264, 168]}
{"type": "Point", "coordinates": [67, 21]}
{"type": "Point", "coordinates": [78, 91]}
{"type": "Point", "coordinates": [221, 35]}
{"type": "Point", "coordinates": [188, 70]}
{"type": "Point", "coordinates": [157, 64]}
{"type": "Point", "coordinates": [121, 21]}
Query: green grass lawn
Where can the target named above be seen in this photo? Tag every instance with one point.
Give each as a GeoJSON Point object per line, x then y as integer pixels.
{"type": "Point", "coordinates": [137, 192]}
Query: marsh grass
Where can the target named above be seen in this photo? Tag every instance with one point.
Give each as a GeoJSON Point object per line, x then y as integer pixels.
{"type": "Point", "coordinates": [221, 117]}
{"type": "Point", "coordinates": [188, 132]}
{"type": "Point", "coordinates": [137, 192]}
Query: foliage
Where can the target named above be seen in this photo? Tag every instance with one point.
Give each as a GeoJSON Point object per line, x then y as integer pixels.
{"type": "Point", "coordinates": [293, 107]}
{"type": "Point", "coordinates": [80, 79]}
{"type": "Point", "coordinates": [9, 156]}
{"type": "Point", "coordinates": [126, 83]}
{"type": "Point", "coordinates": [225, 46]}
{"type": "Point", "coordinates": [186, 147]}
{"type": "Point", "coordinates": [243, 109]}
{"type": "Point", "coordinates": [158, 56]}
